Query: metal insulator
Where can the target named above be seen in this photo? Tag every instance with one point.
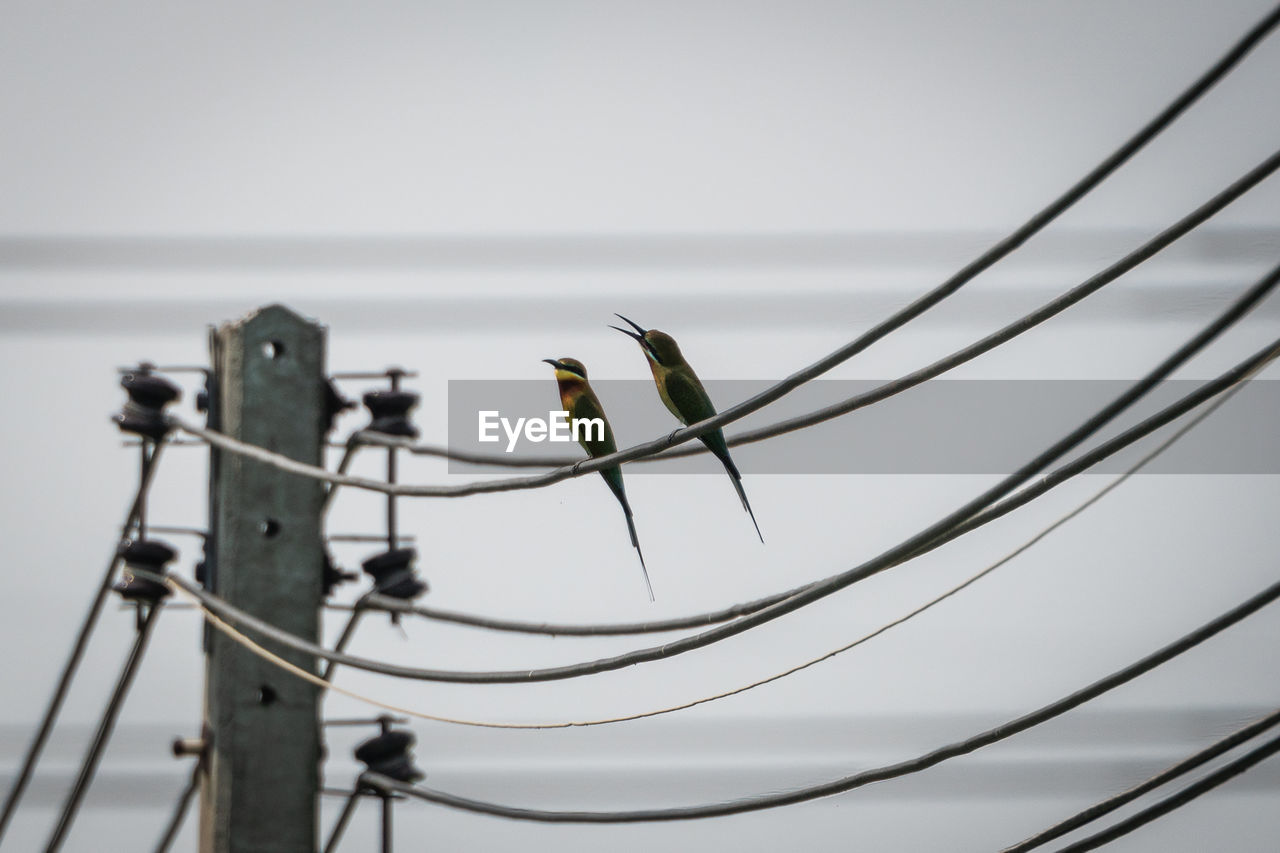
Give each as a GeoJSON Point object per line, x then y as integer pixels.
{"type": "Point", "coordinates": [394, 574]}
{"type": "Point", "coordinates": [150, 555]}
{"type": "Point", "coordinates": [390, 411]}
{"type": "Point", "coordinates": [143, 414]}
{"type": "Point", "coordinates": [390, 754]}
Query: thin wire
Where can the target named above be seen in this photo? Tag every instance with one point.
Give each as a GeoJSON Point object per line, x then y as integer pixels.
{"type": "Point", "coordinates": [387, 802]}
{"type": "Point", "coordinates": [257, 649]}
{"type": "Point", "coordinates": [213, 606]}
{"type": "Point", "coordinates": [1105, 807]}
{"type": "Point", "coordinates": [348, 455]}
{"type": "Point", "coordinates": [89, 766]}
{"type": "Point", "coordinates": [866, 777]}
{"type": "Point", "coordinates": [344, 817]}
{"type": "Point", "coordinates": [180, 810]}
{"type": "Point", "coordinates": [395, 605]}
{"type": "Point", "coordinates": [928, 539]}
{"type": "Point", "coordinates": [1208, 783]}
{"type": "Point", "coordinates": [1036, 223]}
{"type": "Point", "coordinates": [271, 657]}
{"type": "Point", "coordinates": [597, 463]}
{"type": "Point", "coordinates": [210, 603]}
{"type": "Point", "coordinates": [357, 610]}
{"type": "Point", "coordinates": [552, 629]}
{"type": "Point", "coordinates": [77, 651]}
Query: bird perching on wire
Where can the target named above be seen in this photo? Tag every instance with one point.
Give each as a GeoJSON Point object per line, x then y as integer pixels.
{"type": "Point", "coordinates": [584, 407]}
{"type": "Point", "coordinates": [682, 392]}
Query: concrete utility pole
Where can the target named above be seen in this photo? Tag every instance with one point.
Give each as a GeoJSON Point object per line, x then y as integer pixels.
{"type": "Point", "coordinates": [266, 556]}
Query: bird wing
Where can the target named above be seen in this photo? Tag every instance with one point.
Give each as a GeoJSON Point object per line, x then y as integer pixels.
{"type": "Point", "coordinates": [689, 400]}
{"type": "Point", "coordinates": [587, 407]}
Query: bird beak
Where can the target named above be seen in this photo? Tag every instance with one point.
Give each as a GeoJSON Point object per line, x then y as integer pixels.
{"type": "Point", "coordinates": [557, 365]}
{"type": "Point", "coordinates": [638, 334]}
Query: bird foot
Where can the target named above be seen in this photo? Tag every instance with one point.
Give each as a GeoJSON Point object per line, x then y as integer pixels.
{"type": "Point", "coordinates": [671, 439]}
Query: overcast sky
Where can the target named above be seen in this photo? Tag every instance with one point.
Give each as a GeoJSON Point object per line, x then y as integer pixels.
{"type": "Point", "coordinates": [467, 188]}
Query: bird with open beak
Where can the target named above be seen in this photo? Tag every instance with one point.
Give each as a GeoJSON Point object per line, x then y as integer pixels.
{"type": "Point", "coordinates": [684, 396]}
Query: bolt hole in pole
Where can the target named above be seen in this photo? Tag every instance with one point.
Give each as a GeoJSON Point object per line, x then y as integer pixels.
{"type": "Point", "coordinates": [273, 349]}
{"type": "Point", "coordinates": [269, 527]}
{"type": "Point", "coordinates": [266, 695]}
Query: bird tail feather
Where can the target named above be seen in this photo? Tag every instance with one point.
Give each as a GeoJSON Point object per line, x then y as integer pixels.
{"type": "Point", "coordinates": [631, 526]}
{"type": "Point", "coordinates": [721, 451]}
{"type": "Point", "coordinates": [615, 485]}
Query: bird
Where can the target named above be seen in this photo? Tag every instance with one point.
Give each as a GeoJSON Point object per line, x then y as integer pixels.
{"type": "Point", "coordinates": [582, 404]}
{"type": "Point", "coordinates": [682, 392]}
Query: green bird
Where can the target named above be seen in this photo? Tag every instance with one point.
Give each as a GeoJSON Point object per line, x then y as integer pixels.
{"type": "Point", "coordinates": [683, 394]}
{"type": "Point", "coordinates": [582, 404]}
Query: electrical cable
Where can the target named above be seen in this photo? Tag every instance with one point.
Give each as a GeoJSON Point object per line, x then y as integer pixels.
{"type": "Point", "coordinates": [180, 810]}
{"type": "Point", "coordinates": [1215, 73]}
{"type": "Point", "coordinates": [866, 777]}
{"type": "Point", "coordinates": [395, 605]}
{"type": "Point", "coordinates": [257, 649]}
{"type": "Point", "coordinates": [1105, 807]}
{"type": "Point", "coordinates": [214, 606]}
{"type": "Point", "coordinates": [1203, 786]}
{"type": "Point", "coordinates": [927, 539]}
{"type": "Point", "coordinates": [348, 631]}
{"type": "Point", "coordinates": [597, 463]}
{"type": "Point", "coordinates": [78, 648]}
{"type": "Point", "coordinates": [344, 817]}
{"type": "Point", "coordinates": [374, 601]}
{"type": "Point", "coordinates": [89, 765]}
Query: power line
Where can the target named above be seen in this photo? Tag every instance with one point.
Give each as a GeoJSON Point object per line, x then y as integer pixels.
{"type": "Point", "coordinates": [348, 631]}
{"type": "Point", "coordinates": [931, 537]}
{"type": "Point", "coordinates": [866, 777]}
{"type": "Point", "coordinates": [1036, 223]}
{"type": "Point", "coordinates": [180, 809]}
{"type": "Point", "coordinates": [344, 817]}
{"type": "Point", "coordinates": [1114, 484]}
{"type": "Point", "coordinates": [729, 415]}
{"type": "Point", "coordinates": [1174, 801]}
{"type": "Point", "coordinates": [212, 604]}
{"type": "Point", "coordinates": [81, 643]}
{"type": "Point", "coordinates": [1183, 767]}
{"type": "Point", "coordinates": [89, 766]}
{"type": "Point", "coordinates": [700, 620]}
{"type": "Point", "coordinates": [597, 463]}
{"type": "Point", "coordinates": [554, 629]}
{"type": "Point", "coordinates": [1239, 373]}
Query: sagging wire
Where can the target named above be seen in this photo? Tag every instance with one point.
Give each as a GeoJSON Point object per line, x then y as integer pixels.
{"type": "Point", "coordinates": [1230, 380]}
{"type": "Point", "coordinates": [180, 809]}
{"type": "Point", "coordinates": [597, 463]}
{"type": "Point", "coordinates": [1214, 74]}
{"type": "Point", "coordinates": [393, 573]}
{"type": "Point", "coordinates": [954, 524]}
{"type": "Point", "coordinates": [866, 777]}
{"type": "Point", "coordinates": [89, 765]}
{"type": "Point", "coordinates": [142, 415]}
{"type": "Point", "coordinates": [700, 620]}
{"type": "Point", "coordinates": [1174, 801]}
{"type": "Point", "coordinates": [1109, 805]}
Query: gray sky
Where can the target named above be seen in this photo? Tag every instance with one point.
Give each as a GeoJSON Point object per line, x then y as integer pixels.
{"type": "Point", "coordinates": [468, 188]}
